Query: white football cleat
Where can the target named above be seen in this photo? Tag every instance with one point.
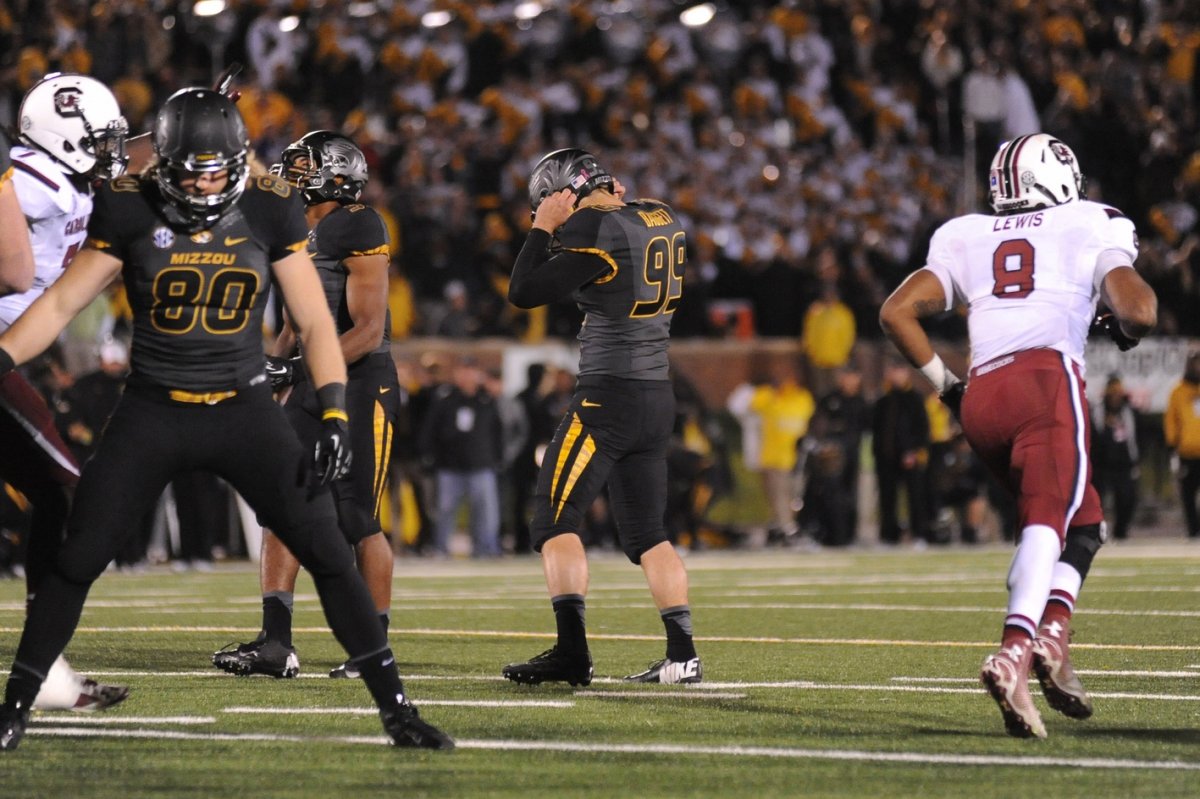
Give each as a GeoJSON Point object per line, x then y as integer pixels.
{"type": "Point", "coordinates": [671, 672]}
{"type": "Point", "coordinates": [66, 689]}
{"type": "Point", "coordinates": [1052, 665]}
{"type": "Point", "coordinates": [1006, 677]}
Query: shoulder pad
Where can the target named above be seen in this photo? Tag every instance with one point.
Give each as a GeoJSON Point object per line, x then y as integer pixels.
{"type": "Point", "coordinates": [272, 184]}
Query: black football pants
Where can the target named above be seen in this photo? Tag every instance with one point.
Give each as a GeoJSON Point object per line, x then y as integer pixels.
{"type": "Point", "coordinates": [246, 440]}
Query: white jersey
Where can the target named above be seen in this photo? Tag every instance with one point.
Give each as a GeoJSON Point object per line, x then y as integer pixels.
{"type": "Point", "coordinates": [1031, 280]}
{"type": "Point", "coordinates": [57, 214]}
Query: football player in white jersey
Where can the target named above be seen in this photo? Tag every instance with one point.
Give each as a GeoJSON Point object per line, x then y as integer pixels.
{"type": "Point", "coordinates": [71, 133]}
{"type": "Point", "coordinates": [1030, 276]}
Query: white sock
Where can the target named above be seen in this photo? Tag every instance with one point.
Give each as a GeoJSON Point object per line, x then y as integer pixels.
{"type": "Point", "coordinates": [1030, 576]}
{"type": "Point", "coordinates": [1065, 584]}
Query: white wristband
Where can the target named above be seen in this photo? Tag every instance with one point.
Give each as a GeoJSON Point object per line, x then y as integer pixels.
{"type": "Point", "coordinates": [938, 375]}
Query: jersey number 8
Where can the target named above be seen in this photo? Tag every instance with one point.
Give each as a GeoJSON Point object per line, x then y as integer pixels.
{"type": "Point", "coordinates": [1012, 268]}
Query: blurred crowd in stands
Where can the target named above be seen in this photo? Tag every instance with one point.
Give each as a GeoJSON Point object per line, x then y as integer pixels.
{"type": "Point", "coordinates": [811, 145]}
{"type": "Point", "coordinates": [781, 464]}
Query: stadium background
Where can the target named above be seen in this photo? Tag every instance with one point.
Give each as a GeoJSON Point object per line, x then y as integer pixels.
{"type": "Point", "coordinates": [810, 146]}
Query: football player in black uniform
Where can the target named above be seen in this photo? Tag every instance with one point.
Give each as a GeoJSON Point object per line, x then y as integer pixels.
{"type": "Point", "coordinates": [348, 243]}
{"type": "Point", "coordinates": [197, 244]}
{"type": "Point", "coordinates": [16, 254]}
{"type": "Point", "coordinates": [623, 264]}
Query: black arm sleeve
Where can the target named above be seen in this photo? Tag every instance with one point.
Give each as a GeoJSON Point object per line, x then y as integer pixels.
{"type": "Point", "coordinates": [538, 279]}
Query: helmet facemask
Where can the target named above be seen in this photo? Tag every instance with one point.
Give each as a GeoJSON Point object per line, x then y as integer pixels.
{"type": "Point", "coordinates": [107, 146]}
{"type": "Point", "coordinates": [200, 211]}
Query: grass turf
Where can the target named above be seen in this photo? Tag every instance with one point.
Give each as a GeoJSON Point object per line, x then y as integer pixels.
{"type": "Point", "coordinates": [826, 674]}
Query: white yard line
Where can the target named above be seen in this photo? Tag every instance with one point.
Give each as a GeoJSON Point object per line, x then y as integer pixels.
{"type": "Point", "coordinates": [1083, 672]}
{"type": "Point", "coordinates": [194, 606]}
{"type": "Point", "coordinates": [734, 639]}
{"type": "Point", "coordinates": [642, 749]}
{"type": "Point", "coordinates": [316, 711]}
{"type": "Point", "coordinates": [653, 691]}
{"type": "Point", "coordinates": [695, 692]}
{"type": "Point", "coordinates": [75, 718]}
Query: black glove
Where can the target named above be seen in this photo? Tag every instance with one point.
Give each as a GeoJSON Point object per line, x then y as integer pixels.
{"type": "Point", "coordinates": [1106, 322]}
{"type": "Point", "coordinates": [332, 455]}
{"type": "Point", "coordinates": [953, 397]}
{"type": "Point", "coordinates": [282, 371]}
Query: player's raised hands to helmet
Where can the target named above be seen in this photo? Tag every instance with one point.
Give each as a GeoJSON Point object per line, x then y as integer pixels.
{"type": "Point", "coordinates": [554, 210]}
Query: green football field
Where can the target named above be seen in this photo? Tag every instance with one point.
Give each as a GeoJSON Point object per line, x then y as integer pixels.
{"type": "Point", "coordinates": [826, 674]}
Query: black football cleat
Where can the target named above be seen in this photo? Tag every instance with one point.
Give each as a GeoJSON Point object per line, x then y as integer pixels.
{"type": "Point", "coordinates": [346, 671]}
{"type": "Point", "coordinates": [258, 657]}
{"type": "Point", "coordinates": [671, 672]}
{"type": "Point", "coordinates": [408, 730]}
{"type": "Point", "coordinates": [14, 718]}
{"type": "Point", "coordinates": [552, 666]}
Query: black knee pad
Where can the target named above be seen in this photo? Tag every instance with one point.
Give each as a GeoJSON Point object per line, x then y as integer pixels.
{"type": "Point", "coordinates": [356, 522]}
{"type": "Point", "coordinates": [1082, 545]}
{"type": "Point", "coordinates": [319, 546]}
{"type": "Point", "coordinates": [83, 563]}
{"type": "Point", "coordinates": [640, 544]}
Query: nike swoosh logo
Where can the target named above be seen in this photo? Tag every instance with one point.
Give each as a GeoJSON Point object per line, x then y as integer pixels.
{"type": "Point", "coordinates": [587, 404]}
{"type": "Point", "coordinates": [384, 390]}
{"type": "Point", "coordinates": [231, 241]}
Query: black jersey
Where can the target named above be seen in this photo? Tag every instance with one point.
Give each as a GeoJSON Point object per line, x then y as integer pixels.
{"type": "Point", "coordinates": [198, 299]}
{"type": "Point", "coordinates": [346, 232]}
{"type": "Point", "coordinates": [628, 308]}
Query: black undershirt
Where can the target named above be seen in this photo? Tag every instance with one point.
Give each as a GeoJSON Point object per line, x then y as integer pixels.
{"type": "Point", "coordinates": [538, 279]}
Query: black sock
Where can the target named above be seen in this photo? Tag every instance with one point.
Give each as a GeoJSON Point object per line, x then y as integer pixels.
{"type": "Point", "coordinates": [277, 617]}
{"type": "Point", "coordinates": [378, 671]}
{"type": "Point", "coordinates": [568, 616]}
{"type": "Point", "coordinates": [50, 623]}
{"type": "Point", "coordinates": [385, 620]}
{"type": "Point", "coordinates": [23, 686]}
{"type": "Point", "coordinates": [678, 621]}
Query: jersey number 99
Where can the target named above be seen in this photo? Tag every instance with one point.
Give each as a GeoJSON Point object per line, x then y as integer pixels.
{"type": "Point", "coordinates": [663, 275]}
{"type": "Point", "coordinates": [181, 296]}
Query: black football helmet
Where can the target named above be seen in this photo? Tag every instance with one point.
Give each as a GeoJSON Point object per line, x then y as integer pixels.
{"type": "Point", "coordinates": [324, 166]}
{"type": "Point", "coordinates": [572, 168]}
{"type": "Point", "coordinates": [199, 130]}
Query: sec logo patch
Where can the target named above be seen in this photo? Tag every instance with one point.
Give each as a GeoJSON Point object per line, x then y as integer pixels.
{"type": "Point", "coordinates": [163, 238]}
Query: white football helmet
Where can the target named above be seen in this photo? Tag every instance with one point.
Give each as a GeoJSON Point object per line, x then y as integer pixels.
{"type": "Point", "coordinates": [1033, 172]}
{"type": "Point", "coordinates": [76, 121]}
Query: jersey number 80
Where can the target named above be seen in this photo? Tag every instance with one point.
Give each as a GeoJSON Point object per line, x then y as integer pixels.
{"type": "Point", "coordinates": [223, 306]}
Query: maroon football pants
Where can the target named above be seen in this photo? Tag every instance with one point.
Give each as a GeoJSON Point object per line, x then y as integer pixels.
{"type": "Point", "coordinates": [1026, 416]}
